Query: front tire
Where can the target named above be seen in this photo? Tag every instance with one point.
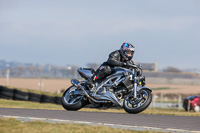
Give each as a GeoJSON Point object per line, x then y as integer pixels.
{"type": "Point", "coordinates": [138, 104]}
{"type": "Point", "coordinates": [72, 102]}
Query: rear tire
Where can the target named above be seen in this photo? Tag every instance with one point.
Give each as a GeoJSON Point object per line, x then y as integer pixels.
{"type": "Point", "coordinates": [72, 102]}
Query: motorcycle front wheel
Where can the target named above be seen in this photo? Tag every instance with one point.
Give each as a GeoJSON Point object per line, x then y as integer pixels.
{"type": "Point", "coordinates": [135, 105]}
{"type": "Point", "coordinates": [70, 101]}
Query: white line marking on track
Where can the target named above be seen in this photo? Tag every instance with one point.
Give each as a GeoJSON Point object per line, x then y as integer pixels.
{"type": "Point", "coordinates": [140, 128]}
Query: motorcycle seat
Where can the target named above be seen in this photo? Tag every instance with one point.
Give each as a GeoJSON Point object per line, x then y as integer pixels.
{"type": "Point", "coordinates": [90, 69]}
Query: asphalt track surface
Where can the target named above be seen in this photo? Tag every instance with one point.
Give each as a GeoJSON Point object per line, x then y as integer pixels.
{"type": "Point", "coordinates": [165, 122]}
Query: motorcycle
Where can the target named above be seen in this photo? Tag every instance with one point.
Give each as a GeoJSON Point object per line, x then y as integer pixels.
{"type": "Point", "coordinates": [123, 88]}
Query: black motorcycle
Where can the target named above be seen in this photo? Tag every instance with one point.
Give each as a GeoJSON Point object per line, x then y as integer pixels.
{"type": "Point", "coordinates": [123, 88]}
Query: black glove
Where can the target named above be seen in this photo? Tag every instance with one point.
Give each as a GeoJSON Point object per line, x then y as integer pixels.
{"type": "Point", "coordinates": [124, 64]}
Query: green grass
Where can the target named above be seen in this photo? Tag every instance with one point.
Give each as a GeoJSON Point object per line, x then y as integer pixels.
{"type": "Point", "coordinates": [29, 105]}
{"type": "Point", "coordinates": [16, 126]}
{"type": "Point", "coordinates": [33, 105]}
{"type": "Point", "coordinates": [161, 88]}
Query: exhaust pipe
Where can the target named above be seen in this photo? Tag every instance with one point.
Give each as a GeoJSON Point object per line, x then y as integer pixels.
{"type": "Point", "coordinates": [78, 84]}
{"type": "Point", "coordinates": [75, 82]}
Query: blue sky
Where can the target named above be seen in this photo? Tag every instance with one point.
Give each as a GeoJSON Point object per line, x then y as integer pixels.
{"type": "Point", "coordinates": [62, 32]}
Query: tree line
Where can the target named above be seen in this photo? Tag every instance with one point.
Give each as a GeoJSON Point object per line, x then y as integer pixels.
{"type": "Point", "coordinates": [49, 71]}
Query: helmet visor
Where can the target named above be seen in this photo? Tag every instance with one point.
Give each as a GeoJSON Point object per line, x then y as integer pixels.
{"type": "Point", "coordinates": [129, 53]}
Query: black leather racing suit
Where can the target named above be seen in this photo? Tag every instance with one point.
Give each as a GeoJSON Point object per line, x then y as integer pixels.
{"type": "Point", "coordinates": [115, 59]}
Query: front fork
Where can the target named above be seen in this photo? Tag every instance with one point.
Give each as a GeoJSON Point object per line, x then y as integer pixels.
{"type": "Point", "coordinates": [135, 84]}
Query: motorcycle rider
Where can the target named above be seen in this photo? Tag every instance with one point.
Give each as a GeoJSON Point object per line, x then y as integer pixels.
{"type": "Point", "coordinates": [119, 58]}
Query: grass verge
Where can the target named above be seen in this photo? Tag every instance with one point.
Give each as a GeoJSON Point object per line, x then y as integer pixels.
{"type": "Point", "coordinates": [161, 88]}
{"type": "Point", "coordinates": [32, 105]}
{"type": "Point", "coordinates": [16, 126]}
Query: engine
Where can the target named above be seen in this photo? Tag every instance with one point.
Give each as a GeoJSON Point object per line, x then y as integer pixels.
{"type": "Point", "coordinates": [102, 91]}
{"type": "Point", "coordinates": [120, 92]}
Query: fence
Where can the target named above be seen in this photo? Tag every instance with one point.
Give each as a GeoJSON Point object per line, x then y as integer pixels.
{"type": "Point", "coordinates": [174, 101]}
{"type": "Point", "coordinates": [180, 81]}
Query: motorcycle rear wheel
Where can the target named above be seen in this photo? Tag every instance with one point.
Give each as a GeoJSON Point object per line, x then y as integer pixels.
{"type": "Point", "coordinates": [72, 102]}
{"type": "Point", "coordinates": [139, 104]}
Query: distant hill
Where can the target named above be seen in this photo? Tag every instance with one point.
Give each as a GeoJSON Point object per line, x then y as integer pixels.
{"type": "Point", "coordinates": [3, 64]}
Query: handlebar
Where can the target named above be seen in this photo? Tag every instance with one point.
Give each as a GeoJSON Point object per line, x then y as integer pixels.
{"type": "Point", "coordinates": [135, 66]}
